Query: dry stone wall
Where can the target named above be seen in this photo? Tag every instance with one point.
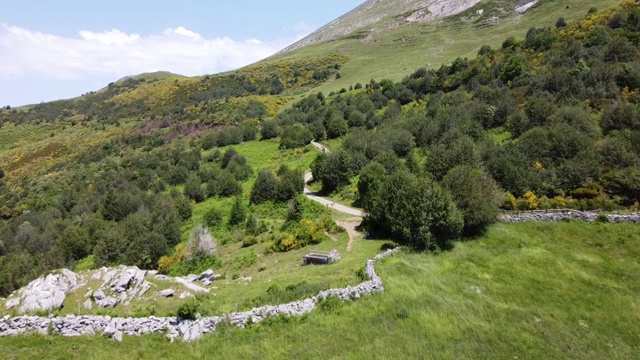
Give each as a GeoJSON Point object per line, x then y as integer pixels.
{"type": "Point", "coordinates": [186, 330]}
{"type": "Point", "coordinates": [567, 215]}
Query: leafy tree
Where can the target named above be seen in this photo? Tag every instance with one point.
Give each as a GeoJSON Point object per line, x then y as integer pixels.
{"type": "Point", "coordinates": [183, 205]}
{"type": "Point", "coordinates": [193, 189]}
{"type": "Point", "coordinates": [417, 211]}
{"type": "Point", "coordinates": [117, 206]}
{"type": "Point", "coordinates": [238, 212]}
{"type": "Point", "coordinates": [515, 66]}
{"type": "Point", "coordinates": [264, 188]}
{"type": "Point", "coordinates": [476, 194]}
{"type": "Point", "coordinates": [370, 183]}
{"type": "Point", "coordinates": [333, 170]}
{"type": "Point", "coordinates": [269, 130]}
{"type": "Point", "coordinates": [295, 209]}
{"type": "Point", "coordinates": [290, 183]}
{"type": "Point", "coordinates": [74, 242]}
{"type": "Point", "coordinates": [228, 155]}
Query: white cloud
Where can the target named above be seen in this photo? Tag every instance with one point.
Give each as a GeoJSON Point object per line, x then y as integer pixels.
{"type": "Point", "coordinates": [116, 54]}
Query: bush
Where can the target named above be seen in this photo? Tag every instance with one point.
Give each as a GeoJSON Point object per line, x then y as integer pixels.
{"type": "Point", "coordinates": [193, 189]}
{"type": "Point", "coordinates": [238, 212]}
{"type": "Point", "coordinates": [188, 310]}
{"type": "Point", "coordinates": [200, 242]}
{"type": "Point", "coordinates": [213, 217]}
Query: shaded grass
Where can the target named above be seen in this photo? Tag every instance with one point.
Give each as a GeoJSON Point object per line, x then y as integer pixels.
{"type": "Point", "coordinates": [534, 291]}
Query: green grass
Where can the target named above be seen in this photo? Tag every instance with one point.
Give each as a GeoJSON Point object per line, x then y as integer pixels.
{"type": "Point", "coordinates": [527, 291]}
{"type": "Point", "coordinates": [398, 51]}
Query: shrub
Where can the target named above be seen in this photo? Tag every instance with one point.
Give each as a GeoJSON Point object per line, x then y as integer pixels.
{"type": "Point", "coordinates": [213, 217]}
{"type": "Point", "coordinates": [602, 218]}
{"type": "Point", "coordinates": [188, 310]}
{"type": "Point", "coordinates": [201, 242]}
{"type": "Point", "coordinates": [238, 212]}
{"type": "Point", "coordinates": [193, 189]}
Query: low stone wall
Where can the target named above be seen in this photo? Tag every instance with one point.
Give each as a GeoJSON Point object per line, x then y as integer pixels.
{"type": "Point", "coordinates": [566, 214]}
{"type": "Point", "coordinates": [184, 329]}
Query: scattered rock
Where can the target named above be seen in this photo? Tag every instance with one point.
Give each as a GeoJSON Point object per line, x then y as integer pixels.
{"type": "Point", "coordinates": [88, 304]}
{"type": "Point", "coordinates": [103, 300]}
{"type": "Point", "coordinates": [166, 293]}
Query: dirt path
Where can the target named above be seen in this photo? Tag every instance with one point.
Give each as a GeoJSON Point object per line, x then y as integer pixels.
{"type": "Point", "coordinates": [350, 225]}
{"type": "Point", "coordinates": [328, 203]}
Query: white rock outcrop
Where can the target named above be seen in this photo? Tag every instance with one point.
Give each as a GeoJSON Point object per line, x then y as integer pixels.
{"type": "Point", "coordinates": [46, 293]}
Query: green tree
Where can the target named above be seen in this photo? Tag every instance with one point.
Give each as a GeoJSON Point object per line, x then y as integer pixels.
{"type": "Point", "coordinates": [264, 188]}
{"type": "Point", "coordinates": [476, 194]}
{"type": "Point", "coordinates": [193, 189]}
{"type": "Point", "coordinates": [238, 212]}
{"type": "Point", "coordinates": [74, 242]}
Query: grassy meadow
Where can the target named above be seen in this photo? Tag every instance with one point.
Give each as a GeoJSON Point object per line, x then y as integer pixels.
{"type": "Point", "coordinates": [528, 291]}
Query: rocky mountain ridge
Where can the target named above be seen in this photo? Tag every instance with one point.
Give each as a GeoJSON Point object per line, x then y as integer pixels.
{"type": "Point", "coordinates": [362, 19]}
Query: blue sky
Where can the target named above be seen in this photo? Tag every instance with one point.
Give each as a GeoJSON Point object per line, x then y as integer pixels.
{"type": "Point", "coordinates": [58, 49]}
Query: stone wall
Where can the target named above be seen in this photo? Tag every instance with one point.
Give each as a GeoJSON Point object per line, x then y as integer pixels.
{"type": "Point", "coordinates": [184, 329]}
{"type": "Point", "coordinates": [558, 215]}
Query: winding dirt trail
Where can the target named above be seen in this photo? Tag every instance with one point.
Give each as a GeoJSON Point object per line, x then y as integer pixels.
{"type": "Point", "coordinates": [349, 224]}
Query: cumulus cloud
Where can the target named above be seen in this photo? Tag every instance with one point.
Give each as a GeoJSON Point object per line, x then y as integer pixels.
{"type": "Point", "coordinates": [116, 53]}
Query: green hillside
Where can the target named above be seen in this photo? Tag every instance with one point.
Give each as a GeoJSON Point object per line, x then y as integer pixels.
{"type": "Point", "coordinates": [517, 112]}
{"type": "Point", "coordinates": [535, 291]}
{"type": "Point", "coordinates": [396, 47]}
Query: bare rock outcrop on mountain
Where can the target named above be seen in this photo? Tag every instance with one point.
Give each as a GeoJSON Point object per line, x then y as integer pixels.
{"type": "Point", "coordinates": [373, 11]}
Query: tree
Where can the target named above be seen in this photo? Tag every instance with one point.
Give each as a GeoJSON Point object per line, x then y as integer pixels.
{"type": "Point", "coordinates": [370, 183]}
{"type": "Point", "coordinates": [290, 183]}
{"type": "Point", "coordinates": [228, 155]}
{"type": "Point", "coordinates": [476, 194]}
{"type": "Point", "coordinates": [270, 129]}
{"type": "Point", "coordinates": [264, 188]}
{"type": "Point", "coordinates": [415, 210]}
{"type": "Point", "coordinates": [333, 170]}
{"type": "Point", "coordinates": [561, 22]}
{"type": "Point", "coordinates": [74, 242]}
{"type": "Point", "coordinates": [238, 212]}
{"type": "Point", "coordinates": [201, 242]}
{"type": "Point", "coordinates": [193, 189]}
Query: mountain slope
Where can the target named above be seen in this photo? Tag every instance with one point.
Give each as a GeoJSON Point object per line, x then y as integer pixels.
{"type": "Point", "coordinates": [392, 46]}
{"type": "Point", "coordinates": [373, 11]}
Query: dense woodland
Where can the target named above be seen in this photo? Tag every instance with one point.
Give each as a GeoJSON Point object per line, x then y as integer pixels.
{"type": "Point", "coordinates": [551, 120]}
